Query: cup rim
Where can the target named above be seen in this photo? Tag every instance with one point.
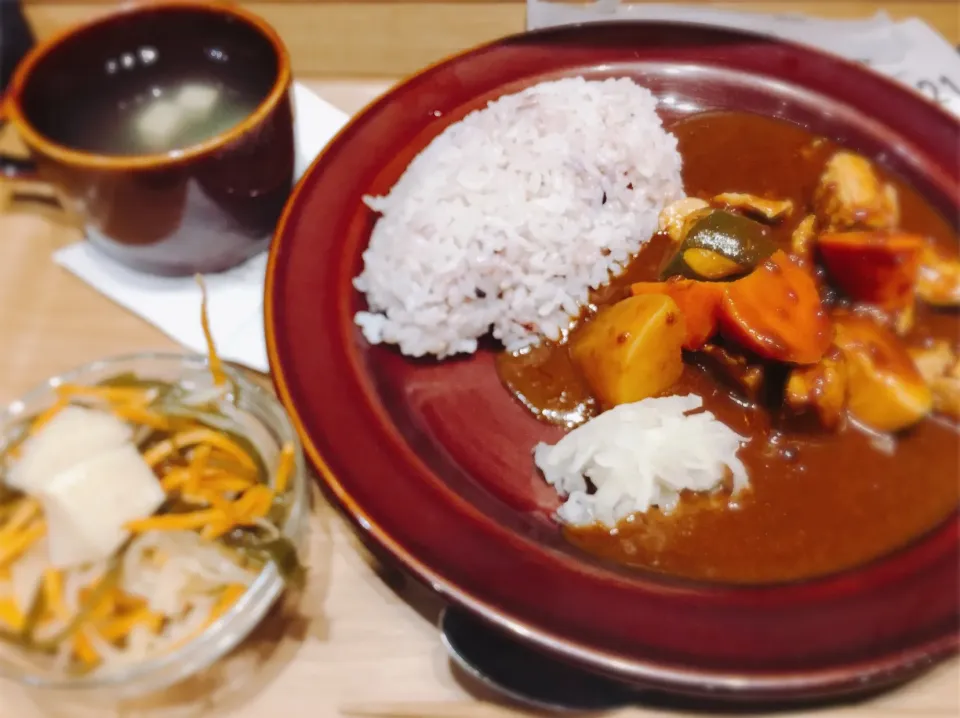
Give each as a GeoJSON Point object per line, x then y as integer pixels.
{"type": "Point", "coordinates": [10, 103]}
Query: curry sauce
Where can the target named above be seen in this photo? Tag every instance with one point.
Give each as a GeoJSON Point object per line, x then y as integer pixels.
{"type": "Point", "coordinates": [819, 501]}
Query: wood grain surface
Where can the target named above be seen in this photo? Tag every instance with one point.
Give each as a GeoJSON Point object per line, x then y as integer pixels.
{"type": "Point", "coordinates": [373, 38]}
{"type": "Point", "coordinates": [362, 640]}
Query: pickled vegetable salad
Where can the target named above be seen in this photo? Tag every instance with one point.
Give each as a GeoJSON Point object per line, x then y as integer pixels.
{"type": "Point", "coordinates": [133, 514]}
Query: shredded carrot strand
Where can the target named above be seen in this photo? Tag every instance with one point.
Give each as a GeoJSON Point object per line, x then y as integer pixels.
{"type": "Point", "coordinates": [119, 627]}
{"type": "Point", "coordinates": [284, 468]}
{"type": "Point", "coordinates": [18, 544]}
{"type": "Point", "coordinates": [255, 503]}
{"type": "Point", "coordinates": [217, 501]}
{"type": "Point", "coordinates": [46, 416]}
{"type": "Point", "coordinates": [198, 464]}
{"type": "Point", "coordinates": [231, 594]}
{"type": "Point", "coordinates": [164, 449]}
{"type": "Point", "coordinates": [26, 512]}
{"type": "Point", "coordinates": [215, 530]}
{"type": "Point", "coordinates": [53, 594]}
{"type": "Point", "coordinates": [226, 483]}
{"type": "Point", "coordinates": [175, 522]}
{"type": "Point", "coordinates": [83, 648]}
{"type": "Point", "coordinates": [216, 365]}
{"type": "Point", "coordinates": [110, 394]}
{"type": "Point", "coordinates": [10, 614]}
{"type": "Point", "coordinates": [174, 479]}
{"type": "Point", "coordinates": [140, 415]}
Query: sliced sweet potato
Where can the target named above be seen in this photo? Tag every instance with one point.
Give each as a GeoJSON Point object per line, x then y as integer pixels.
{"type": "Point", "coordinates": [885, 390]}
{"type": "Point", "coordinates": [876, 267]}
{"type": "Point", "coordinates": [776, 312]}
{"type": "Point", "coordinates": [698, 301]}
{"type": "Point", "coordinates": [631, 350]}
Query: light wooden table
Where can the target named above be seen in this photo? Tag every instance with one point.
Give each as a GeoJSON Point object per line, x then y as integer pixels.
{"type": "Point", "coordinates": [363, 639]}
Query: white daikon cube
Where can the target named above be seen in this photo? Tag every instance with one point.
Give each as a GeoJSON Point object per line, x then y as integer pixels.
{"type": "Point", "coordinates": [88, 505]}
{"type": "Point", "coordinates": [72, 436]}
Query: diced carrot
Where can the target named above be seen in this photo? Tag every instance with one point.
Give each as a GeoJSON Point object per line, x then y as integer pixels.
{"type": "Point", "coordinates": [776, 312]}
{"type": "Point", "coordinates": [285, 467]}
{"type": "Point", "coordinates": [698, 301]}
{"type": "Point", "coordinates": [176, 522]}
{"type": "Point", "coordinates": [878, 267]}
{"type": "Point", "coordinates": [216, 365]}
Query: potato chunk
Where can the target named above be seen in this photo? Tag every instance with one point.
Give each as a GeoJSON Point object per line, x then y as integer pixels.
{"type": "Point", "coordinates": [631, 350]}
{"type": "Point", "coordinates": [885, 390]}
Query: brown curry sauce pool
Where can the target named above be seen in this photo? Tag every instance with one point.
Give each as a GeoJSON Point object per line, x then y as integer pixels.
{"type": "Point", "coordinates": [818, 502]}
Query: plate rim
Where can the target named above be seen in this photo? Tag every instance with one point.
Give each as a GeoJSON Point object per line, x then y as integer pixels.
{"type": "Point", "coordinates": [847, 677]}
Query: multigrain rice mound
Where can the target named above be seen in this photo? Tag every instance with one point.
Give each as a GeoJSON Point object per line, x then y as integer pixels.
{"type": "Point", "coordinates": [508, 218]}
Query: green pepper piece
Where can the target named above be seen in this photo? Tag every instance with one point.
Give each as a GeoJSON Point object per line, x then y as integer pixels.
{"type": "Point", "coordinates": [732, 236]}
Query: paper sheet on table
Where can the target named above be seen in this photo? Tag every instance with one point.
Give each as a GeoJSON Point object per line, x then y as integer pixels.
{"type": "Point", "coordinates": [235, 296]}
{"type": "Point", "coordinates": [909, 51]}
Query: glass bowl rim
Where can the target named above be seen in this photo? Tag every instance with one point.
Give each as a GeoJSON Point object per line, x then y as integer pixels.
{"type": "Point", "coordinates": [268, 586]}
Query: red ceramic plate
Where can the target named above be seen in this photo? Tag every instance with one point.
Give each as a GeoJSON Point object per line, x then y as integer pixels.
{"type": "Point", "coordinates": [433, 460]}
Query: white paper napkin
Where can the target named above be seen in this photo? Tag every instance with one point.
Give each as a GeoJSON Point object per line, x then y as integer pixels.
{"type": "Point", "coordinates": [235, 296]}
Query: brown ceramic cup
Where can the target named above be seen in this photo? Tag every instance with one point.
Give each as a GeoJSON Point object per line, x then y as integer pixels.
{"type": "Point", "coordinates": [204, 207]}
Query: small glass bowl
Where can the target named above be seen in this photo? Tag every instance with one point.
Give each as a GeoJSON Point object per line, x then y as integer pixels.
{"type": "Point", "coordinates": [270, 430]}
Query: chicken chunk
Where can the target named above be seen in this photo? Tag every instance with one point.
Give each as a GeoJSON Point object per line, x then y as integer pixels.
{"type": "Point", "coordinates": [770, 209]}
{"type": "Point", "coordinates": [677, 216]}
{"type": "Point", "coordinates": [851, 195]}
{"type": "Point", "coordinates": [745, 377]}
{"type": "Point", "coordinates": [933, 361]}
{"type": "Point", "coordinates": [938, 279]}
{"type": "Point", "coordinates": [820, 388]}
{"type": "Point", "coordinates": [940, 368]}
{"type": "Point", "coordinates": [804, 238]}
